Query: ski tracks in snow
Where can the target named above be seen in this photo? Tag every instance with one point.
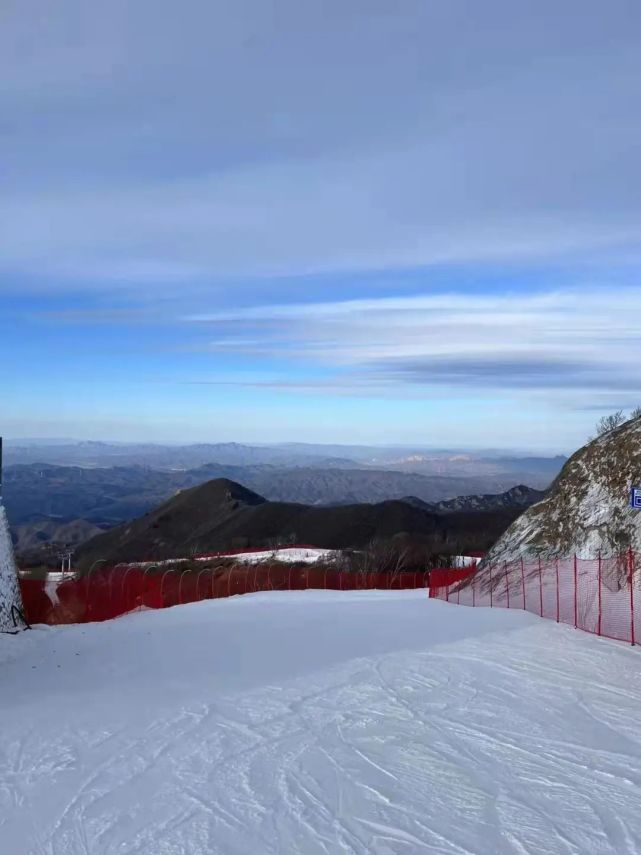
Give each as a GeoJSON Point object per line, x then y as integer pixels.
{"type": "Point", "coordinates": [520, 742]}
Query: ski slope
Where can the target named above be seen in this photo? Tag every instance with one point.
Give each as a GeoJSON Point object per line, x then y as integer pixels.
{"type": "Point", "coordinates": [283, 554]}
{"type": "Point", "coordinates": [319, 722]}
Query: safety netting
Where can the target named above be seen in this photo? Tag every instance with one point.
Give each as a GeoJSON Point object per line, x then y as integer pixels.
{"type": "Point", "coordinates": [596, 595]}
{"type": "Point", "coordinates": [107, 592]}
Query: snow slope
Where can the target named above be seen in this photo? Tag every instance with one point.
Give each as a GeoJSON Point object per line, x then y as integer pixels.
{"type": "Point", "coordinates": [286, 554]}
{"type": "Point", "coordinates": [313, 722]}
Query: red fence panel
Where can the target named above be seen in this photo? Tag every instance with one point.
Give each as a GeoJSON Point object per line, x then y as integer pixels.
{"type": "Point", "coordinates": [107, 592]}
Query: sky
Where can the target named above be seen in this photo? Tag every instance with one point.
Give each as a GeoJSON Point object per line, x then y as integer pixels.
{"type": "Point", "coordinates": [372, 222]}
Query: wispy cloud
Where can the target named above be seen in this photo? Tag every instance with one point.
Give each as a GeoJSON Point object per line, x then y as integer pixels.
{"type": "Point", "coordinates": [314, 200]}
{"type": "Point", "coordinates": [586, 341]}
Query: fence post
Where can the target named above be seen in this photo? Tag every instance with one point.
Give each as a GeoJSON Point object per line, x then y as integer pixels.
{"type": "Point", "coordinates": [558, 601]}
{"type": "Point", "coordinates": [576, 609]}
{"type": "Point", "coordinates": [523, 581]}
{"type": "Point", "coordinates": [540, 588]}
{"type": "Point", "coordinates": [491, 592]}
{"type": "Point", "coordinates": [200, 573]}
{"type": "Point", "coordinates": [598, 626]}
{"type": "Point", "coordinates": [507, 585]}
{"type": "Point", "coordinates": [447, 593]}
{"type": "Point", "coordinates": [162, 582]}
{"type": "Point", "coordinates": [631, 564]}
{"type": "Point", "coordinates": [473, 590]}
{"type": "Point", "coordinates": [144, 577]}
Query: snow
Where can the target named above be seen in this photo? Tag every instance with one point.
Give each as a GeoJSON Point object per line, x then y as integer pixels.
{"type": "Point", "coordinates": [308, 555]}
{"type": "Point", "coordinates": [286, 554]}
{"type": "Point", "coordinates": [9, 591]}
{"type": "Point", "coordinates": [464, 561]}
{"type": "Point", "coordinates": [297, 723]}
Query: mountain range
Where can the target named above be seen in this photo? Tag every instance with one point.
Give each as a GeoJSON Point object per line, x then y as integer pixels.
{"type": "Point", "coordinates": [509, 468]}
{"type": "Point", "coordinates": [223, 515]}
{"type": "Point", "coordinates": [51, 504]}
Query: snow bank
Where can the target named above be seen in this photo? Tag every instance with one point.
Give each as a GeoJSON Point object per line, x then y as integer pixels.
{"type": "Point", "coordinates": [9, 590]}
{"type": "Point", "coordinates": [285, 554]}
{"type": "Point", "coordinates": [298, 723]}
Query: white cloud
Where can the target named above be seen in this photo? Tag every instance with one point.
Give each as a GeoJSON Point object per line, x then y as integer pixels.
{"type": "Point", "coordinates": [584, 342]}
{"type": "Point", "coordinates": [153, 142]}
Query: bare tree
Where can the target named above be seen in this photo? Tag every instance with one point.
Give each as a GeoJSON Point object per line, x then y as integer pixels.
{"type": "Point", "coordinates": [636, 413]}
{"type": "Point", "coordinates": [608, 423]}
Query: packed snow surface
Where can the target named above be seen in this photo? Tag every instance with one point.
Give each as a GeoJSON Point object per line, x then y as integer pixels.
{"type": "Point", "coordinates": [297, 723]}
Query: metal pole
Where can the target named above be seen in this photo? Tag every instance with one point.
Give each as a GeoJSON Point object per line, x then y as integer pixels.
{"type": "Point", "coordinates": [507, 585]}
{"type": "Point", "coordinates": [558, 601]}
{"type": "Point", "coordinates": [491, 593]}
{"type": "Point", "coordinates": [162, 586]}
{"type": "Point", "coordinates": [523, 581]}
{"type": "Point", "coordinates": [200, 573]}
{"type": "Point", "coordinates": [144, 578]}
{"type": "Point", "coordinates": [540, 588]}
{"type": "Point", "coordinates": [598, 629]}
{"type": "Point", "coordinates": [631, 562]}
{"type": "Point", "coordinates": [576, 607]}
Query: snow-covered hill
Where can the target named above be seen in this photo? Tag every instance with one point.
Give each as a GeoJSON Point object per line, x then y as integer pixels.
{"type": "Point", "coordinates": [587, 509]}
{"type": "Point", "coordinates": [319, 723]}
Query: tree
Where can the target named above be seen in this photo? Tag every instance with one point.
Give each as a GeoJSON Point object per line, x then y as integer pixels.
{"type": "Point", "coordinates": [608, 423]}
{"type": "Point", "coordinates": [636, 413]}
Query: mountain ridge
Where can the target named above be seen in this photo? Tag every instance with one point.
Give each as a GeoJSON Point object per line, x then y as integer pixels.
{"type": "Point", "coordinates": [221, 515]}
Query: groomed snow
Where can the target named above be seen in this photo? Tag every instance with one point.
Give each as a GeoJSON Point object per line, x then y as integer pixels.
{"type": "Point", "coordinates": [309, 722]}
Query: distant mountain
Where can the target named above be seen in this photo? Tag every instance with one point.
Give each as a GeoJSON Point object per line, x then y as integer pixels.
{"type": "Point", "coordinates": [221, 515]}
{"type": "Point", "coordinates": [500, 470]}
{"type": "Point", "coordinates": [169, 457]}
{"type": "Point", "coordinates": [40, 540]}
{"type": "Point", "coordinates": [108, 496]}
{"type": "Point", "coordinates": [519, 497]}
{"type": "Point", "coordinates": [516, 497]}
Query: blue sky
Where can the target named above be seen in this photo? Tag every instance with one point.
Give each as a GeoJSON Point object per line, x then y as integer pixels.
{"type": "Point", "coordinates": [413, 222]}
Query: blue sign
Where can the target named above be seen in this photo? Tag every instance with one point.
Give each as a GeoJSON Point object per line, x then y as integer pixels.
{"type": "Point", "coordinates": [635, 498]}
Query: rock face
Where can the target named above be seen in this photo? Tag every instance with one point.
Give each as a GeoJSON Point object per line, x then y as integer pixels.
{"type": "Point", "coordinates": [9, 589]}
{"type": "Point", "coordinates": [587, 509]}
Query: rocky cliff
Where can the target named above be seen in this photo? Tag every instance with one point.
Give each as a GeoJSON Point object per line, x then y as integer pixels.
{"type": "Point", "coordinates": [587, 509]}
